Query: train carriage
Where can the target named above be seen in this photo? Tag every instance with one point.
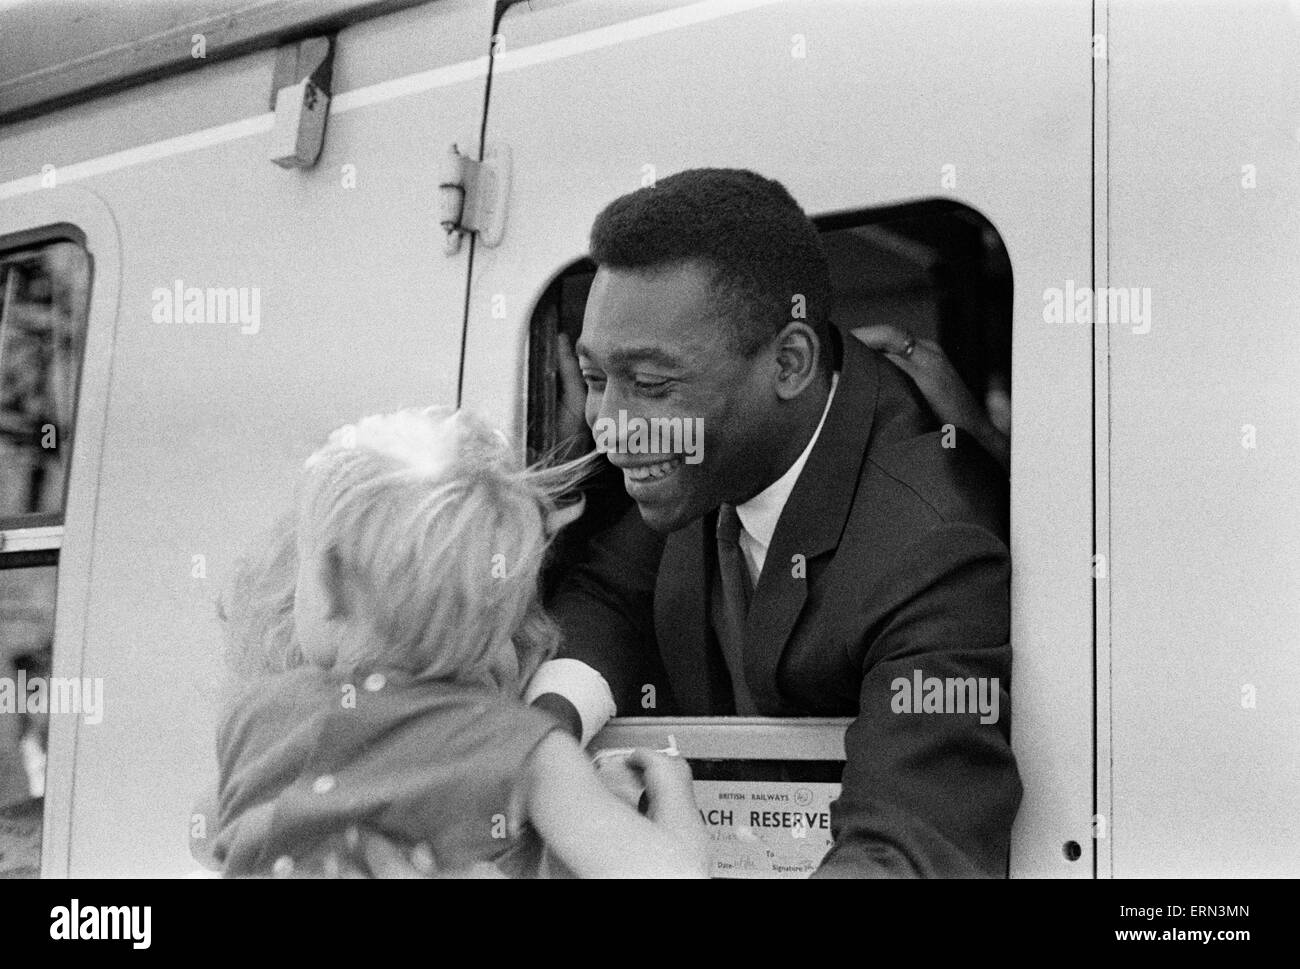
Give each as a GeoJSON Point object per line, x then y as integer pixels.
{"type": "Point", "coordinates": [414, 232]}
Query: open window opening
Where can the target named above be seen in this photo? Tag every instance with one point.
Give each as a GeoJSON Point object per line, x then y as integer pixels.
{"type": "Point", "coordinates": [44, 302]}
{"type": "Point", "coordinates": [933, 270]}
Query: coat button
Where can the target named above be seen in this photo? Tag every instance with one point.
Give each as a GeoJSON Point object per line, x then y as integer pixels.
{"type": "Point", "coordinates": [283, 867]}
{"type": "Point", "coordinates": [324, 784]}
{"type": "Point", "coordinates": [375, 682]}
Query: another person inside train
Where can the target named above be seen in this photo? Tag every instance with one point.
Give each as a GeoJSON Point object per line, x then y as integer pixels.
{"type": "Point", "coordinates": [832, 543]}
{"type": "Point", "coordinates": [381, 644]}
{"type": "Point", "coordinates": [930, 370]}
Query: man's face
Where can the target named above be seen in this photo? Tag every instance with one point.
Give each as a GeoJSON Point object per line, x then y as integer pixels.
{"type": "Point", "coordinates": [654, 346]}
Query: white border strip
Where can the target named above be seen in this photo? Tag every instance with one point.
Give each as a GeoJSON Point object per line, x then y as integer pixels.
{"type": "Point", "coordinates": [620, 33]}
{"type": "Point", "coordinates": [131, 157]}
{"type": "Point", "coordinates": [401, 87]}
{"type": "Point", "coordinates": [471, 70]}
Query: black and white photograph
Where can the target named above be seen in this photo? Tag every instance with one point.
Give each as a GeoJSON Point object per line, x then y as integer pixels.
{"type": "Point", "coordinates": [722, 440]}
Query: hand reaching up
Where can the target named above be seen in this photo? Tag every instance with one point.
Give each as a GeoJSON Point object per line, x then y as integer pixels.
{"type": "Point", "coordinates": [939, 383]}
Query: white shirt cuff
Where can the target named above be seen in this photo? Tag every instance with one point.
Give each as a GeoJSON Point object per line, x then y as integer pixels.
{"type": "Point", "coordinates": [580, 685]}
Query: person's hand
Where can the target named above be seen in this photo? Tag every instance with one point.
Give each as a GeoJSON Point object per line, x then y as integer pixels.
{"type": "Point", "coordinates": [670, 796]}
{"type": "Point", "coordinates": [940, 384]}
{"type": "Point", "coordinates": [669, 790]}
{"type": "Point", "coordinates": [620, 778]}
{"type": "Point", "coordinates": [668, 784]}
{"type": "Point", "coordinates": [571, 431]}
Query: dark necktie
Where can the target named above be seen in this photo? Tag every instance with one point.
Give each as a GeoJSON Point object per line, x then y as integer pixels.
{"type": "Point", "coordinates": [731, 605]}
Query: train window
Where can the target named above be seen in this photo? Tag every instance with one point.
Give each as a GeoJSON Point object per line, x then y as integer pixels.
{"type": "Point", "coordinates": [934, 270]}
{"type": "Point", "coordinates": [559, 311]}
{"type": "Point", "coordinates": [44, 295]}
{"type": "Point", "coordinates": [44, 299]}
{"type": "Point", "coordinates": [26, 638]}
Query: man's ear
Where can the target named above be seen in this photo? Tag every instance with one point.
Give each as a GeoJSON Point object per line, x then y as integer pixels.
{"type": "Point", "coordinates": [337, 597]}
{"type": "Point", "coordinates": [798, 352]}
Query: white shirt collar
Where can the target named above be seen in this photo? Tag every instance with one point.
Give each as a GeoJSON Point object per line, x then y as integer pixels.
{"type": "Point", "coordinates": [760, 514]}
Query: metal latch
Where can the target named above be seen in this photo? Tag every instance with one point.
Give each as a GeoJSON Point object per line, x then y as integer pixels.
{"type": "Point", "coordinates": [473, 196]}
{"type": "Point", "coordinates": [300, 98]}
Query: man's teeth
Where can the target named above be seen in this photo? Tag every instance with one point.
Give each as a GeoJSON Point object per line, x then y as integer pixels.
{"type": "Point", "coordinates": [651, 471]}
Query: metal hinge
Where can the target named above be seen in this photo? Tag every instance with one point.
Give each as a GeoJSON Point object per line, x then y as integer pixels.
{"type": "Point", "coordinates": [473, 196]}
{"type": "Point", "coordinates": [300, 98]}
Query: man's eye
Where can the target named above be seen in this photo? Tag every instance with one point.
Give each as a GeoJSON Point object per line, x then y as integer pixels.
{"type": "Point", "coordinates": [652, 388]}
{"type": "Point", "coordinates": [594, 380]}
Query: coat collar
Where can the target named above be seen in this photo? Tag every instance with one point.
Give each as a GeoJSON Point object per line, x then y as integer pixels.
{"type": "Point", "coordinates": [818, 507]}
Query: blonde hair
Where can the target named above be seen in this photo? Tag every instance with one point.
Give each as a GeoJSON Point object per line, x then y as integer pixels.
{"type": "Point", "coordinates": [431, 520]}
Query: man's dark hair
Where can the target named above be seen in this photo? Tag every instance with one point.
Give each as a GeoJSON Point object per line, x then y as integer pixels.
{"type": "Point", "coordinates": [748, 230]}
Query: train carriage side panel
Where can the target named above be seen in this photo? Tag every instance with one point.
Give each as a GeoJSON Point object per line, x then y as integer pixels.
{"type": "Point", "coordinates": [852, 106]}
{"type": "Point", "coordinates": [1204, 667]}
{"type": "Point", "coordinates": [357, 310]}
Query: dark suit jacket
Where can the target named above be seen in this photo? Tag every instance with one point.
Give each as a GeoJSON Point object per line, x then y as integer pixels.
{"type": "Point", "coordinates": [890, 557]}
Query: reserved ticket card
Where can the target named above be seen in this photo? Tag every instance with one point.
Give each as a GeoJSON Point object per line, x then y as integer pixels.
{"type": "Point", "coordinates": [766, 829]}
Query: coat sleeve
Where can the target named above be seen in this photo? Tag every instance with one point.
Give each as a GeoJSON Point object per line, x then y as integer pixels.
{"type": "Point", "coordinates": [928, 793]}
{"type": "Point", "coordinates": [604, 605]}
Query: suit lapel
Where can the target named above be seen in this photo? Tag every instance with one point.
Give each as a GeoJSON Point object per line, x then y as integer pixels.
{"type": "Point", "coordinates": [811, 523]}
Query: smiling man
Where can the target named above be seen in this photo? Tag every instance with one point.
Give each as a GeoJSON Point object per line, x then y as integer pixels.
{"type": "Point", "coordinates": [827, 545]}
{"type": "Point", "coordinates": [701, 368]}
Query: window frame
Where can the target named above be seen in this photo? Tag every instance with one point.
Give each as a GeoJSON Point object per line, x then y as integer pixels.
{"type": "Point", "coordinates": [27, 218]}
{"type": "Point", "coordinates": [34, 538]}
{"type": "Point", "coordinates": [728, 737]}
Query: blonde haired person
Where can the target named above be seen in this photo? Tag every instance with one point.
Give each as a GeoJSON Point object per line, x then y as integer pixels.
{"type": "Point", "coordinates": [381, 645]}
